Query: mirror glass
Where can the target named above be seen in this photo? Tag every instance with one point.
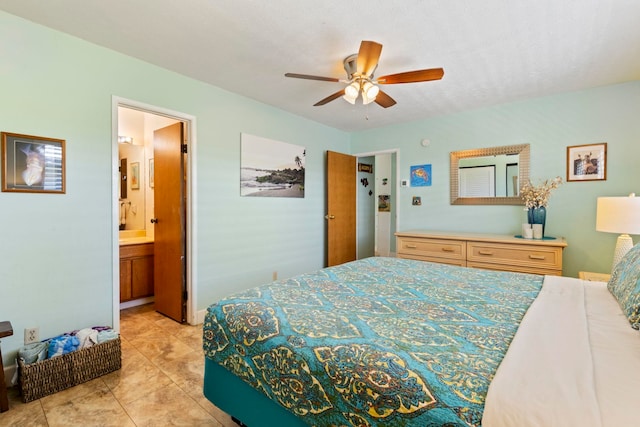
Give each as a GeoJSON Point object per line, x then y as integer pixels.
{"type": "Point", "coordinates": [489, 176]}
{"type": "Point", "coordinates": [132, 191]}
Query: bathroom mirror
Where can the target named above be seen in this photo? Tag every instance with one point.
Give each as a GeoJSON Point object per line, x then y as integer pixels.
{"type": "Point", "coordinates": [123, 178]}
{"type": "Point", "coordinates": [489, 176]}
{"type": "Point", "coordinates": [132, 187]}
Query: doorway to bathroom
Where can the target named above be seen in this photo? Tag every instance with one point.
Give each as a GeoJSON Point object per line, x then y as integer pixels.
{"type": "Point", "coordinates": [153, 258]}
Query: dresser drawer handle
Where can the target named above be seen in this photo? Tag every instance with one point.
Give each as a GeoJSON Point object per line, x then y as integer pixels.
{"type": "Point", "coordinates": [485, 252]}
{"type": "Point", "coordinates": [448, 250]}
{"type": "Point", "coordinates": [411, 246]}
{"type": "Point", "coordinates": [540, 257]}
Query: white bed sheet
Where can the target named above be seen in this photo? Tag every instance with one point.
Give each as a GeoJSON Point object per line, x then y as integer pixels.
{"type": "Point", "coordinates": [575, 361]}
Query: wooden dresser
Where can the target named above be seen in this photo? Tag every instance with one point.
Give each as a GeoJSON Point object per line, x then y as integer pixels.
{"type": "Point", "coordinates": [489, 251]}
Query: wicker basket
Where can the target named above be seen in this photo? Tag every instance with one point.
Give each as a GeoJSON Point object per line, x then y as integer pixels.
{"type": "Point", "coordinates": [59, 373]}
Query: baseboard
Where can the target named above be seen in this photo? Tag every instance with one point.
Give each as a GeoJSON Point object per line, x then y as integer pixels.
{"type": "Point", "coordinates": [136, 302]}
{"type": "Point", "coordinates": [200, 315]}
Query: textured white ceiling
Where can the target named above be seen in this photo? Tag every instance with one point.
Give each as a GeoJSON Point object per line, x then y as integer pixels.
{"type": "Point", "coordinates": [492, 51]}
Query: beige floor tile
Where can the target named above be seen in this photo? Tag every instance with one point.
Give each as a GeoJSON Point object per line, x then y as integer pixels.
{"type": "Point", "coordinates": [191, 336]}
{"type": "Point", "coordinates": [137, 378]}
{"type": "Point", "coordinates": [187, 373]}
{"type": "Point", "coordinates": [169, 326]}
{"type": "Point", "coordinates": [135, 326]}
{"type": "Point", "coordinates": [160, 346]}
{"type": "Point", "coordinates": [169, 406]}
{"type": "Point", "coordinates": [22, 414]}
{"type": "Point", "coordinates": [73, 393]}
{"type": "Point", "coordinates": [221, 416]}
{"type": "Point", "coordinates": [97, 409]}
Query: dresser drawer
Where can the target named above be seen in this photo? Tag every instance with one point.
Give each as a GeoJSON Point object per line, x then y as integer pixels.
{"type": "Point", "coordinates": [539, 257]}
{"type": "Point", "coordinates": [517, 269]}
{"type": "Point", "coordinates": [432, 248]}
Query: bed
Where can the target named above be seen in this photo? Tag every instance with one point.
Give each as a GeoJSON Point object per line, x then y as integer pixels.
{"type": "Point", "coordinates": [396, 342]}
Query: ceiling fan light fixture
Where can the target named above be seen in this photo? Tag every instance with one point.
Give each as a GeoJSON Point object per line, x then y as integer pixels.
{"type": "Point", "coordinates": [370, 90]}
{"type": "Point", "coordinates": [352, 90]}
{"type": "Point", "coordinates": [349, 100]}
{"type": "Point", "coordinates": [351, 93]}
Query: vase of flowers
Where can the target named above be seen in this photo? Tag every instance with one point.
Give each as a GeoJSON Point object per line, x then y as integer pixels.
{"type": "Point", "coordinates": [536, 199]}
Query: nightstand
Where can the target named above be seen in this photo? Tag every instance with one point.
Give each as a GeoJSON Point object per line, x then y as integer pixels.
{"type": "Point", "coordinates": [594, 277]}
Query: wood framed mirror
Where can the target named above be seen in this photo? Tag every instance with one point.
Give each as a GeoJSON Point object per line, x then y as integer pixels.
{"type": "Point", "coordinates": [489, 176]}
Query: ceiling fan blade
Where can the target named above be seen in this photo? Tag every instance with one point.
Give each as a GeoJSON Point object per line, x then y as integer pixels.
{"type": "Point", "coordinates": [309, 77]}
{"type": "Point", "coordinates": [368, 56]}
{"type": "Point", "coordinates": [384, 100]}
{"type": "Point", "coordinates": [330, 98]}
{"type": "Point", "coordinates": [412, 76]}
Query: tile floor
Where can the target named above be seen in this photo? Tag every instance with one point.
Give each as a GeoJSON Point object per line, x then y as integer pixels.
{"type": "Point", "coordinates": [160, 383]}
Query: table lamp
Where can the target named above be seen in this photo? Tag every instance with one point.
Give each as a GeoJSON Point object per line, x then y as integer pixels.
{"type": "Point", "coordinates": [619, 215]}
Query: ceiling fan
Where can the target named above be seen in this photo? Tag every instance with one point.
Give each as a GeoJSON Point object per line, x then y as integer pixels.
{"type": "Point", "coordinates": [360, 68]}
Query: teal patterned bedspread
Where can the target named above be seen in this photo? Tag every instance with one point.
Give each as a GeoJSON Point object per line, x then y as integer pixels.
{"type": "Point", "coordinates": [375, 342]}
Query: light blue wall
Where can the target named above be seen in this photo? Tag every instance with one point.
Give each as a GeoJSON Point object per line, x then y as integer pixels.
{"type": "Point", "coordinates": [55, 256]}
{"type": "Point", "coordinates": [606, 114]}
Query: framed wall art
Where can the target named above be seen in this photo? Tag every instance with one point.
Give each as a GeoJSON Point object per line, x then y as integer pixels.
{"type": "Point", "coordinates": [135, 175]}
{"type": "Point", "coordinates": [420, 175]}
{"type": "Point", "coordinates": [587, 162]}
{"type": "Point", "coordinates": [152, 173]}
{"type": "Point", "coordinates": [32, 164]}
{"type": "Point", "coordinates": [364, 167]}
{"type": "Point", "coordinates": [270, 168]}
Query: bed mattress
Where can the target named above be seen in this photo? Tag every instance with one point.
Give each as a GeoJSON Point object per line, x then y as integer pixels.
{"type": "Point", "coordinates": [380, 341]}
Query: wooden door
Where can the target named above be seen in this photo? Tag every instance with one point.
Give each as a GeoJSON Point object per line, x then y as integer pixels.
{"type": "Point", "coordinates": [170, 226]}
{"type": "Point", "coordinates": [341, 208]}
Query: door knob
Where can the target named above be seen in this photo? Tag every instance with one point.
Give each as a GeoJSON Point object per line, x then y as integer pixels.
{"type": "Point", "coordinates": [329, 217]}
{"type": "Point", "coordinates": [154, 220]}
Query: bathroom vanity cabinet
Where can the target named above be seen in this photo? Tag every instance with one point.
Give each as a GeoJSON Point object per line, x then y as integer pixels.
{"type": "Point", "coordinates": [136, 271]}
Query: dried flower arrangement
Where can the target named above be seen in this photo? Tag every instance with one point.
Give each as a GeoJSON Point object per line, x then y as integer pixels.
{"type": "Point", "coordinates": [537, 196]}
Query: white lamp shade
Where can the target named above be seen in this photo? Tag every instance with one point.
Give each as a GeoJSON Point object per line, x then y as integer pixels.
{"type": "Point", "coordinates": [352, 91]}
{"type": "Point", "coordinates": [618, 215]}
{"type": "Point", "coordinates": [370, 90]}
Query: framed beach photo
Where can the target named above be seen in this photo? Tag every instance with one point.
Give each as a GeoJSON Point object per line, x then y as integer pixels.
{"type": "Point", "coordinates": [587, 162]}
{"type": "Point", "coordinates": [270, 168]}
{"type": "Point", "coordinates": [32, 164]}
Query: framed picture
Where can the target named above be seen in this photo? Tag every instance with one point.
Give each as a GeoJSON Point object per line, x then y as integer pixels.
{"type": "Point", "coordinates": [151, 172]}
{"type": "Point", "coordinates": [32, 164]}
{"type": "Point", "coordinates": [420, 175]}
{"type": "Point", "coordinates": [135, 175]}
{"type": "Point", "coordinates": [587, 162]}
{"type": "Point", "coordinates": [363, 167]}
{"type": "Point", "coordinates": [384, 203]}
{"type": "Point", "coordinates": [270, 168]}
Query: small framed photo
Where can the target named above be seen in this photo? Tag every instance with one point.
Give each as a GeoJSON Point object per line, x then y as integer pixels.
{"type": "Point", "coordinates": [384, 203]}
{"type": "Point", "coordinates": [151, 173]}
{"type": "Point", "coordinates": [135, 175]}
{"type": "Point", "coordinates": [363, 167]}
{"type": "Point", "coordinates": [32, 164]}
{"type": "Point", "coordinates": [587, 162]}
{"type": "Point", "coordinates": [416, 201]}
